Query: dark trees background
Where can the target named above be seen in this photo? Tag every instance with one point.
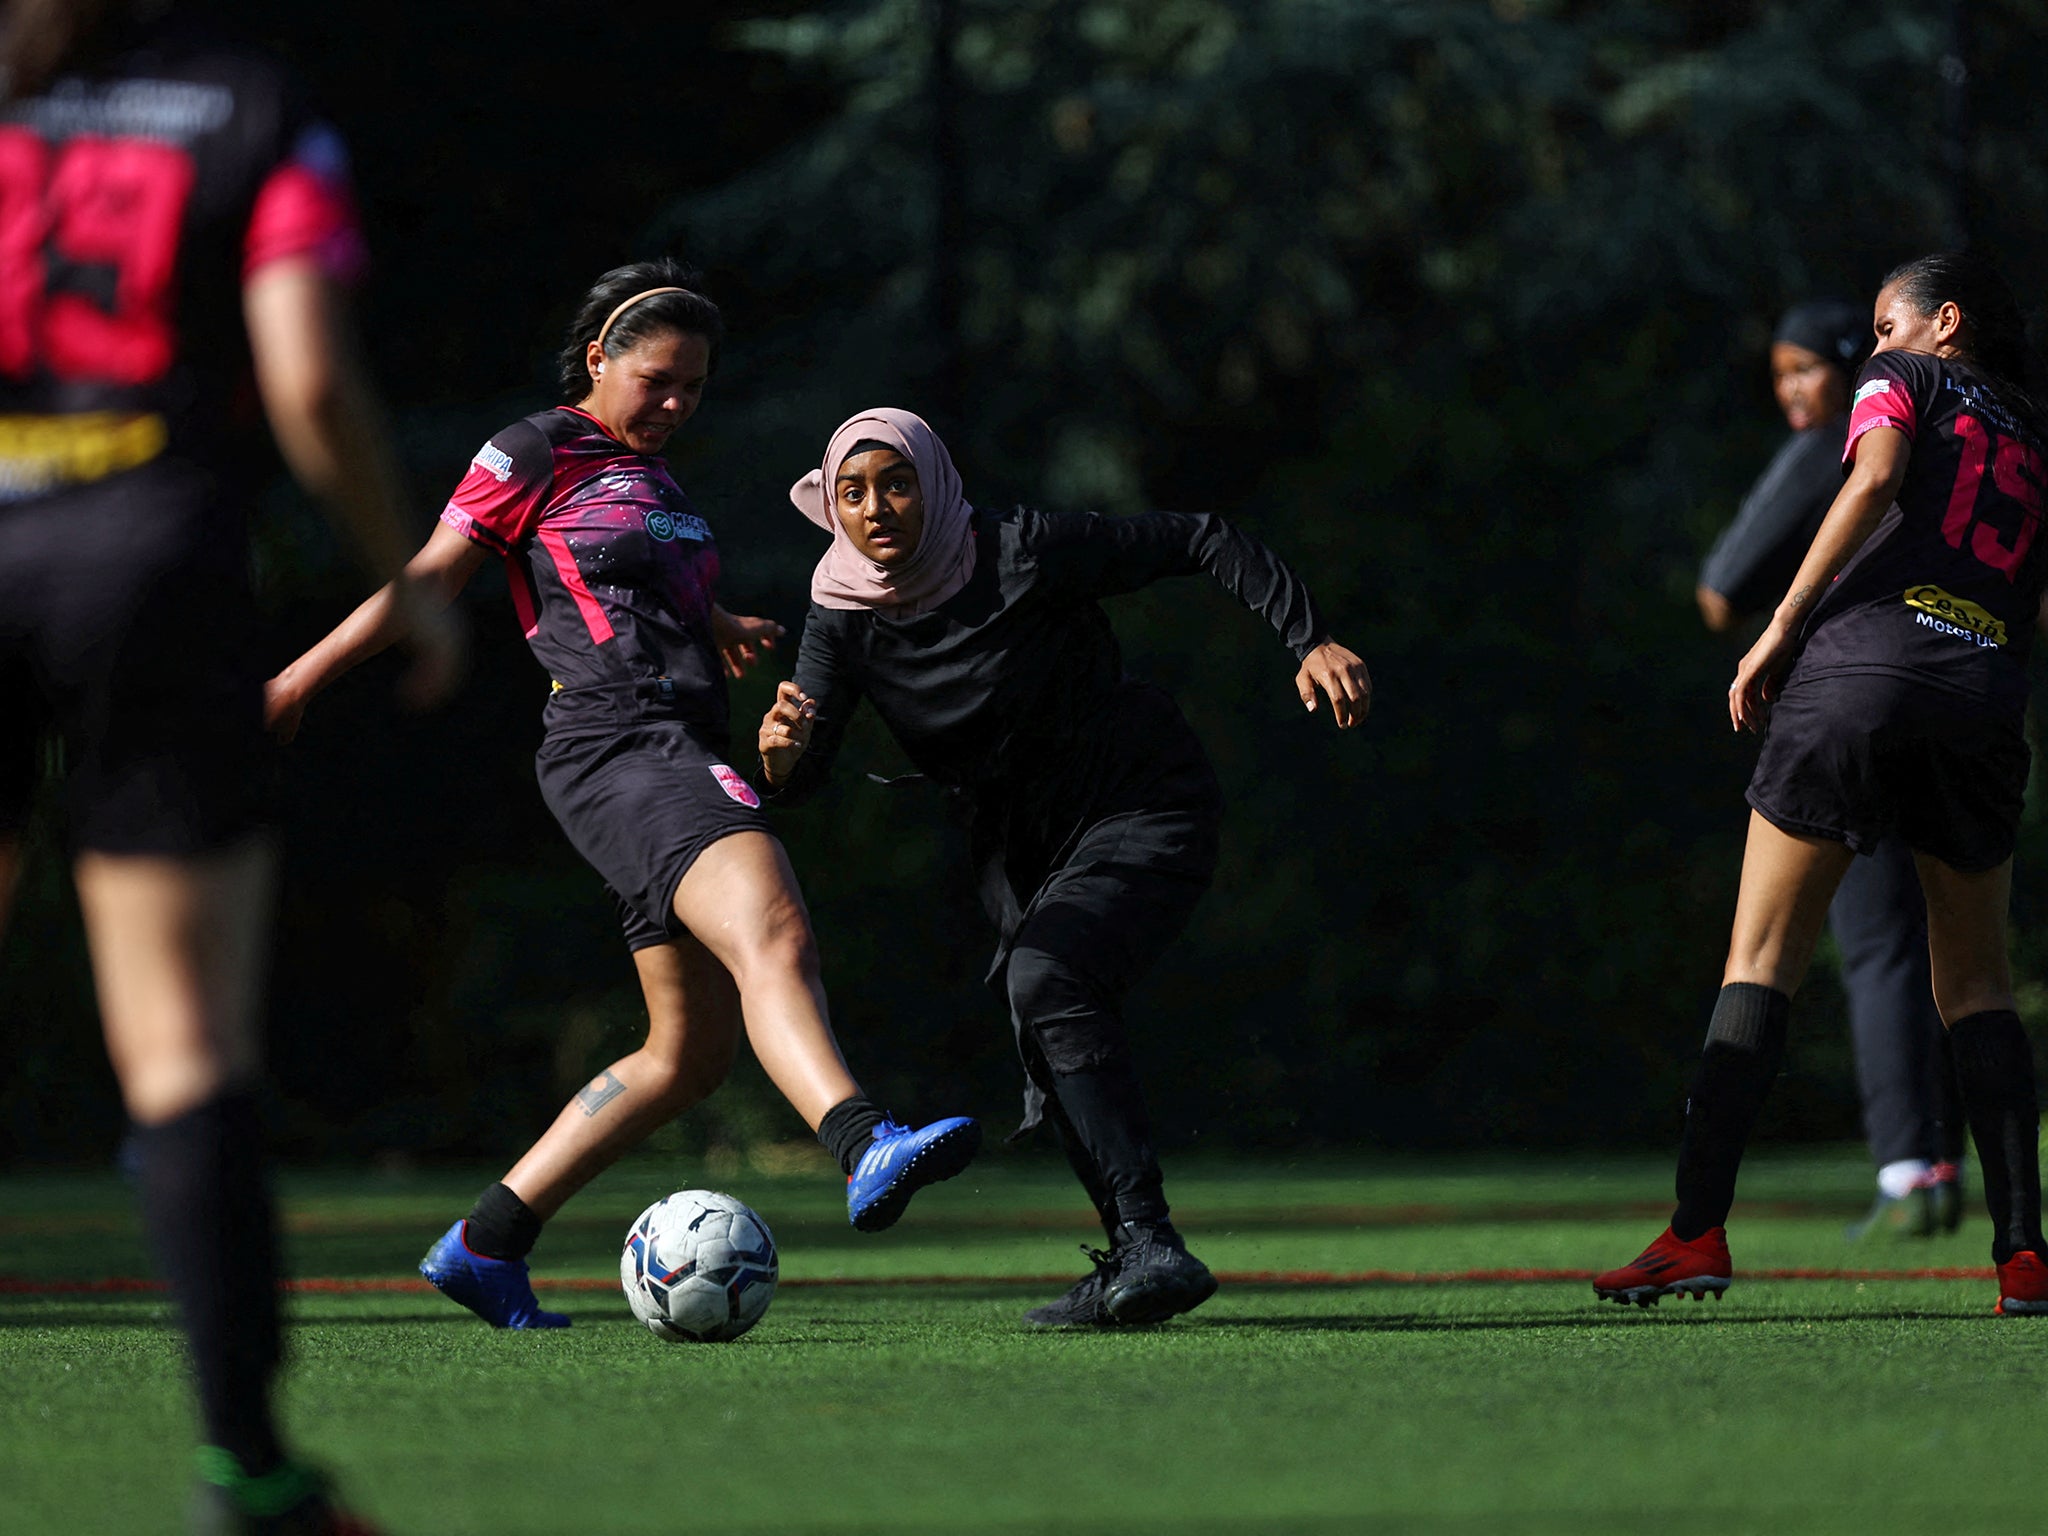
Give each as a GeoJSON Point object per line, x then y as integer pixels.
{"type": "Point", "coordinates": [1462, 306]}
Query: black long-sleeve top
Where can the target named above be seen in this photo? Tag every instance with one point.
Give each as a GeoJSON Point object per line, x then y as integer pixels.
{"type": "Point", "coordinates": [1013, 689]}
{"type": "Point", "coordinates": [1753, 562]}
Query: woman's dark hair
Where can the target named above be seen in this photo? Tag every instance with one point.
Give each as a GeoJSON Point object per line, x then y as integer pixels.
{"type": "Point", "coordinates": [1998, 331]}
{"type": "Point", "coordinates": [688, 311]}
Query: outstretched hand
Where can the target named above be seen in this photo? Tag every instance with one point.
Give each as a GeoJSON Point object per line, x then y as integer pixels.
{"type": "Point", "coordinates": [741, 641]}
{"type": "Point", "coordinates": [786, 731]}
{"type": "Point", "coordinates": [1342, 677]}
{"type": "Point", "coordinates": [1757, 677]}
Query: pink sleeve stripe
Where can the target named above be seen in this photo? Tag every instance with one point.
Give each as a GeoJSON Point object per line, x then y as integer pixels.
{"type": "Point", "coordinates": [572, 578]}
{"type": "Point", "coordinates": [298, 212]}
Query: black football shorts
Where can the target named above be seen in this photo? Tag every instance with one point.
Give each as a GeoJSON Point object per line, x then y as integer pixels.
{"type": "Point", "coordinates": [640, 803]}
{"type": "Point", "coordinates": [127, 638]}
{"type": "Point", "coordinates": [1858, 756]}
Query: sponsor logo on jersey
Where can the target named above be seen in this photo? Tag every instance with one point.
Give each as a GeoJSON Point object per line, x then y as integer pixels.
{"type": "Point", "coordinates": [1873, 387]}
{"type": "Point", "coordinates": [1955, 615]}
{"type": "Point", "coordinates": [177, 111]}
{"type": "Point", "coordinates": [663, 525]}
{"type": "Point", "coordinates": [496, 460]}
{"type": "Point", "coordinates": [45, 453]}
{"type": "Point", "coordinates": [735, 786]}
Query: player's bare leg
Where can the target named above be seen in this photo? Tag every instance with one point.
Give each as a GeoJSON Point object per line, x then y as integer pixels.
{"type": "Point", "coordinates": [693, 1032]}
{"type": "Point", "coordinates": [1787, 883]}
{"type": "Point", "coordinates": [740, 898]}
{"type": "Point", "coordinates": [1966, 942]}
{"type": "Point", "coordinates": [1782, 905]}
{"type": "Point", "coordinates": [177, 947]}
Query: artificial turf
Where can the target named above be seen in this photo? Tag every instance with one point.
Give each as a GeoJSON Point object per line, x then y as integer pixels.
{"type": "Point", "coordinates": [899, 1404]}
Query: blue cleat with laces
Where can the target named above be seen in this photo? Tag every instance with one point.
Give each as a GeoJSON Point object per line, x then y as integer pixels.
{"type": "Point", "coordinates": [901, 1162]}
{"type": "Point", "coordinates": [496, 1290]}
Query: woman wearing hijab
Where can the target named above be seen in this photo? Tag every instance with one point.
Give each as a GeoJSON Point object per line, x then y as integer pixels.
{"type": "Point", "coordinates": [1878, 918]}
{"type": "Point", "coordinates": [612, 574]}
{"type": "Point", "coordinates": [979, 640]}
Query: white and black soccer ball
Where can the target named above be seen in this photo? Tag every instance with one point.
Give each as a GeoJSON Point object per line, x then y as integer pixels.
{"type": "Point", "coordinates": [698, 1266]}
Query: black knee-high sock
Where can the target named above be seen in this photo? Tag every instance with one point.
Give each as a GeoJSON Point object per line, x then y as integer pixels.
{"type": "Point", "coordinates": [1995, 1068]}
{"type": "Point", "coordinates": [206, 1206]}
{"type": "Point", "coordinates": [848, 1128]}
{"type": "Point", "coordinates": [500, 1225]}
{"type": "Point", "coordinates": [1105, 1111]}
{"type": "Point", "coordinates": [1745, 1045]}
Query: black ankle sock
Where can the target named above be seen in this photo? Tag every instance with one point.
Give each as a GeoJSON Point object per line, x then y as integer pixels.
{"type": "Point", "coordinates": [848, 1129]}
{"type": "Point", "coordinates": [500, 1226]}
{"type": "Point", "coordinates": [1104, 1110]}
{"type": "Point", "coordinates": [1995, 1068]}
{"type": "Point", "coordinates": [206, 1207]}
{"type": "Point", "coordinates": [1745, 1045]}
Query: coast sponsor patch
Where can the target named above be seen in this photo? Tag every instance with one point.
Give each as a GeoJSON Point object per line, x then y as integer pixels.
{"type": "Point", "coordinates": [1955, 615]}
{"type": "Point", "coordinates": [735, 786]}
{"type": "Point", "coordinates": [1873, 387]}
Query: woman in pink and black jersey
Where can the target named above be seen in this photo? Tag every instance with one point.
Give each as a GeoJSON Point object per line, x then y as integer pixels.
{"type": "Point", "coordinates": [613, 574]}
{"type": "Point", "coordinates": [180, 234]}
{"type": "Point", "coordinates": [1891, 680]}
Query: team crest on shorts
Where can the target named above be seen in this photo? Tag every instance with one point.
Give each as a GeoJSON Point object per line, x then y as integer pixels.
{"type": "Point", "coordinates": [736, 786]}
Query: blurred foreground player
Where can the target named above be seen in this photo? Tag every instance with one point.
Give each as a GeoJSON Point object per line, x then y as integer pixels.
{"type": "Point", "coordinates": [612, 574]}
{"type": "Point", "coordinates": [979, 639]}
{"type": "Point", "coordinates": [1896, 664]}
{"type": "Point", "coordinates": [1878, 916]}
{"type": "Point", "coordinates": [169, 216]}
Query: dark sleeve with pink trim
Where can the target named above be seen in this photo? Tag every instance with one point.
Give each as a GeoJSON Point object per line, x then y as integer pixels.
{"type": "Point", "coordinates": [501, 498]}
{"type": "Point", "coordinates": [306, 206]}
{"type": "Point", "coordinates": [1890, 392]}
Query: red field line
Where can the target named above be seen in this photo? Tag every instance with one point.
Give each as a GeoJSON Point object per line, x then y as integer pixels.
{"type": "Point", "coordinates": [321, 1286]}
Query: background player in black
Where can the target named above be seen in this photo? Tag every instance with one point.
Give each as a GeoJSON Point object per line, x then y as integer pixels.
{"type": "Point", "coordinates": [978, 638]}
{"type": "Point", "coordinates": [173, 215]}
{"type": "Point", "coordinates": [1878, 917]}
{"type": "Point", "coordinates": [1901, 649]}
{"type": "Point", "coordinates": [612, 571]}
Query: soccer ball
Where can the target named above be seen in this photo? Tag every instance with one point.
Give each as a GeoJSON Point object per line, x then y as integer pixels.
{"type": "Point", "coordinates": [698, 1266]}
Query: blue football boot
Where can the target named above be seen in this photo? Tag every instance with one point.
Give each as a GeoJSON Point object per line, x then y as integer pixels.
{"type": "Point", "coordinates": [901, 1162]}
{"type": "Point", "coordinates": [496, 1290]}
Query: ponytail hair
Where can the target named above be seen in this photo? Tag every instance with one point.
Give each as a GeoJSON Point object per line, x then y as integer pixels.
{"type": "Point", "coordinates": [1997, 343]}
{"type": "Point", "coordinates": [684, 310]}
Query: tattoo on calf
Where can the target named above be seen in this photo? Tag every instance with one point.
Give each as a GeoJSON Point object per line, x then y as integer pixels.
{"type": "Point", "coordinates": [599, 1091]}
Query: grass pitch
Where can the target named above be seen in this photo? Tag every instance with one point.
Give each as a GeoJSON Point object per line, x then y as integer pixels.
{"type": "Point", "coordinates": [891, 1387]}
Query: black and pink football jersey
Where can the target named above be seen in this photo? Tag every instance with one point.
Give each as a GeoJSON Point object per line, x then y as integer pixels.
{"type": "Point", "coordinates": [611, 569]}
{"type": "Point", "coordinates": [134, 202]}
{"type": "Point", "coordinates": [1947, 589]}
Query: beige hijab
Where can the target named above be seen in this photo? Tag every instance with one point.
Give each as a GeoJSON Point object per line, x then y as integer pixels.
{"type": "Point", "coordinates": [944, 557]}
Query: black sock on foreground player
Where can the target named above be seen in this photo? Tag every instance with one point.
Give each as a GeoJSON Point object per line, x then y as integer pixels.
{"type": "Point", "coordinates": [848, 1129]}
{"type": "Point", "coordinates": [206, 1206]}
{"type": "Point", "coordinates": [1745, 1045]}
{"type": "Point", "coordinates": [1995, 1068]}
{"type": "Point", "coordinates": [501, 1225]}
